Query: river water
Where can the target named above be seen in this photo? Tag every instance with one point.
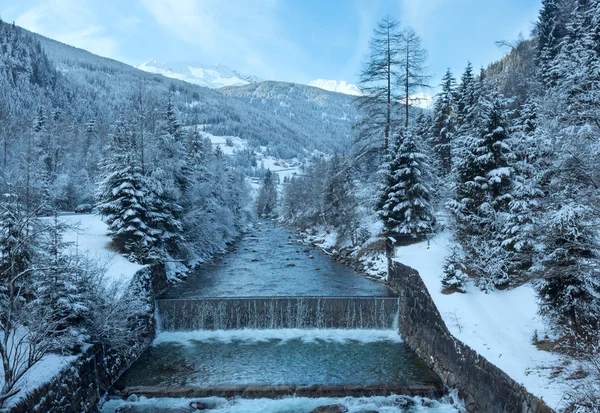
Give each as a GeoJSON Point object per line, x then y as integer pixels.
{"type": "Point", "coordinates": [268, 262]}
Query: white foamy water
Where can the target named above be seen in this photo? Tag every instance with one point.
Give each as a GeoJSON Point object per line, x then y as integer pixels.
{"type": "Point", "coordinates": [390, 404]}
{"type": "Point", "coordinates": [283, 335]}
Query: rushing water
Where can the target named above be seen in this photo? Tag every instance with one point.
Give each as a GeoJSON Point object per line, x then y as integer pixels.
{"type": "Point", "coordinates": [274, 314]}
{"type": "Point", "coordinates": [277, 312]}
{"type": "Point", "coordinates": [269, 262]}
{"type": "Point", "coordinates": [390, 404]}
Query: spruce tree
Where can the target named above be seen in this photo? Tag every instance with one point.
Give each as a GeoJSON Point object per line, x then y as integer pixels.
{"type": "Point", "coordinates": [548, 38]}
{"type": "Point", "coordinates": [484, 187]}
{"type": "Point", "coordinates": [405, 201]}
{"type": "Point", "coordinates": [338, 200]}
{"type": "Point", "coordinates": [444, 122]}
{"type": "Point", "coordinates": [267, 197]}
{"type": "Point", "coordinates": [59, 300]}
{"type": "Point", "coordinates": [127, 203]}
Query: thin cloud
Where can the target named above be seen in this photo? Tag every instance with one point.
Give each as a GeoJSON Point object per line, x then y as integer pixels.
{"type": "Point", "coordinates": [71, 22]}
{"type": "Point", "coordinates": [249, 30]}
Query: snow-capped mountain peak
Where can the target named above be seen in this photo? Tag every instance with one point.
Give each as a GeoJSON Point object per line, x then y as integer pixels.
{"type": "Point", "coordinates": [339, 86]}
{"type": "Point", "coordinates": [214, 76]}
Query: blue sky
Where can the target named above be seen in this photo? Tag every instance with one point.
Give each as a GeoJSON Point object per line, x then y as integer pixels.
{"type": "Point", "coordinates": [294, 40]}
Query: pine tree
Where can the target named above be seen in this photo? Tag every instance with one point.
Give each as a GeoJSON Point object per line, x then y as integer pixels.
{"type": "Point", "coordinates": [405, 202]}
{"type": "Point", "coordinates": [444, 122]}
{"type": "Point", "coordinates": [267, 197]}
{"type": "Point", "coordinates": [518, 230]}
{"type": "Point", "coordinates": [549, 35]}
{"type": "Point", "coordinates": [338, 200]}
{"type": "Point", "coordinates": [130, 208]}
{"type": "Point", "coordinates": [570, 293]}
{"type": "Point", "coordinates": [59, 300]}
{"type": "Point", "coordinates": [484, 189]}
{"type": "Point", "coordinates": [465, 96]}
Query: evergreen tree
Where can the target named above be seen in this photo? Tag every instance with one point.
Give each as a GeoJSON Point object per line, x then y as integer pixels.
{"type": "Point", "coordinates": [465, 96]}
{"type": "Point", "coordinates": [405, 202]}
{"type": "Point", "coordinates": [444, 122]}
{"type": "Point", "coordinates": [570, 293]}
{"type": "Point", "coordinates": [549, 35]}
{"type": "Point", "coordinates": [484, 189]}
{"type": "Point", "coordinates": [339, 205]}
{"type": "Point", "coordinates": [59, 299]}
{"type": "Point", "coordinates": [267, 197]}
{"type": "Point", "coordinates": [127, 203]}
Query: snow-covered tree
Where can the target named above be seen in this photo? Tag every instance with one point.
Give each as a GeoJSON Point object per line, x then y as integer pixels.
{"type": "Point", "coordinates": [405, 204]}
{"type": "Point", "coordinates": [485, 175]}
{"type": "Point", "coordinates": [339, 204]}
{"type": "Point", "coordinates": [444, 122]}
{"type": "Point", "coordinates": [267, 197]}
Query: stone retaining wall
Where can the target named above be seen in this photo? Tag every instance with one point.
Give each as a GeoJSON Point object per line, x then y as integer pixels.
{"type": "Point", "coordinates": [483, 386]}
{"type": "Point", "coordinates": [79, 386]}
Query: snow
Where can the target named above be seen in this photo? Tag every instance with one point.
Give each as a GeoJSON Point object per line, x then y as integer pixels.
{"type": "Point", "coordinates": [42, 372]}
{"type": "Point", "coordinates": [421, 100]}
{"type": "Point", "coordinates": [90, 236]}
{"type": "Point", "coordinates": [214, 76]}
{"type": "Point", "coordinates": [257, 336]}
{"type": "Point", "coordinates": [499, 325]}
{"type": "Point", "coordinates": [339, 86]}
{"type": "Point", "coordinates": [289, 404]}
{"type": "Point", "coordinates": [279, 166]}
{"type": "Point", "coordinates": [237, 144]}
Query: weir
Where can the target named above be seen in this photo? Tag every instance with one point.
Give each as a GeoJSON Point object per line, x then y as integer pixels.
{"type": "Point", "coordinates": [222, 313]}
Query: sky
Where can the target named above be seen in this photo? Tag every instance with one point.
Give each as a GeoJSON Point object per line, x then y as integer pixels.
{"type": "Point", "coordinates": [288, 40]}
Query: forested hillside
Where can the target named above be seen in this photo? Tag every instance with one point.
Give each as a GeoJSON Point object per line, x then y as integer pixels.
{"type": "Point", "coordinates": [325, 117]}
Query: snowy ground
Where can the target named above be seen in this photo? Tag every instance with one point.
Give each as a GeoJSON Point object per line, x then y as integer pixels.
{"type": "Point", "coordinates": [498, 325]}
{"type": "Point", "coordinates": [90, 237]}
{"type": "Point", "coordinates": [40, 373]}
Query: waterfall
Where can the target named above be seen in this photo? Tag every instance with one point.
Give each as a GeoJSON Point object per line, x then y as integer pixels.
{"type": "Point", "coordinates": [277, 312]}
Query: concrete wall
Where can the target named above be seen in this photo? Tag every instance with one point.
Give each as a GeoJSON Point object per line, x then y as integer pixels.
{"type": "Point", "coordinates": [484, 387]}
{"type": "Point", "coordinates": [80, 385]}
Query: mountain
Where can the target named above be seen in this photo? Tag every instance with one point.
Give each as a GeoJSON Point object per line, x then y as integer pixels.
{"type": "Point", "coordinates": [213, 77]}
{"type": "Point", "coordinates": [339, 86]}
{"type": "Point", "coordinates": [325, 116]}
{"type": "Point", "coordinates": [90, 87]}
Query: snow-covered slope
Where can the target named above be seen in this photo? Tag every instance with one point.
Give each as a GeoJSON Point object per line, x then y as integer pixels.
{"type": "Point", "coordinates": [498, 325]}
{"type": "Point", "coordinates": [214, 76]}
{"type": "Point", "coordinates": [339, 86]}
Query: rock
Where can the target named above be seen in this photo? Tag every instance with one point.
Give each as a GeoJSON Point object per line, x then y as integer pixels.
{"type": "Point", "coordinates": [291, 265]}
{"type": "Point", "coordinates": [427, 403]}
{"type": "Point", "coordinates": [133, 398]}
{"type": "Point", "coordinates": [199, 406]}
{"type": "Point", "coordinates": [330, 408]}
{"type": "Point", "coordinates": [404, 402]}
{"type": "Point", "coordinates": [125, 409]}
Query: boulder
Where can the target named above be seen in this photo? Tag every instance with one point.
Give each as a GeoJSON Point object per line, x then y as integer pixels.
{"type": "Point", "coordinates": [199, 406]}
{"type": "Point", "coordinates": [330, 408]}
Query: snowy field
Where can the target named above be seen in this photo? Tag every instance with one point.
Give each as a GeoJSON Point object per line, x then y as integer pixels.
{"type": "Point", "coordinates": [498, 325]}
{"type": "Point", "coordinates": [89, 236]}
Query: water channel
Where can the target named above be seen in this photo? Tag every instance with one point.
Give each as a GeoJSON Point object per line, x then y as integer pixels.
{"type": "Point", "coordinates": [252, 320]}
